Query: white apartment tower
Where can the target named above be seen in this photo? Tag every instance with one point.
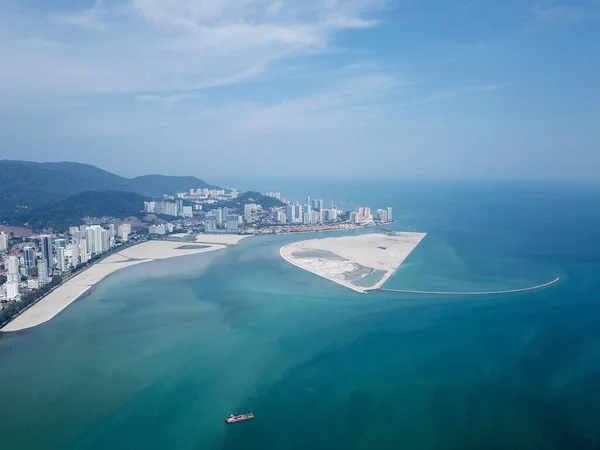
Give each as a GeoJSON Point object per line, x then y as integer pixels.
{"type": "Point", "coordinates": [60, 259]}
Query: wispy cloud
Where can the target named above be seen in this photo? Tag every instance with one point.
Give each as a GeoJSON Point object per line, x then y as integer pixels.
{"type": "Point", "coordinates": [348, 104]}
{"type": "Point", "coordinates": [58, 105]}
{"type": "Point", "coordinates": [89, 19]}
{"type": "Point", "coordinates": [157, 46]}
{"type": "Point", "coordinates": [45, 44]}
{"type": "Point", "coordinates": [164, 100]}
{"type": "Point", "coordinates": [459, 92]}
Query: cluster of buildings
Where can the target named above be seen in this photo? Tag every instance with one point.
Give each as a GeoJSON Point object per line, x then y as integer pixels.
{"type": "Point", "coordinates": [33, 264]}
{"type": "Point", "coordinates": [312, 212]}
{"type": "Point", "coordinates": [215, 194]}
{"type": "Point", "coordinates": [160, 229]}
{"type": "Point", "coordinates": [169, 208]}
{"type": "Point", "coordinates": [276, 195]}
{"type": "Point", "coordinates": [252, 217]}
{"type": "Point", "coordinates": [362, 215]}
{"type": "Point", "coordinates": [311, 215]}
{"type": "Point", "coordinates": [222, 219]}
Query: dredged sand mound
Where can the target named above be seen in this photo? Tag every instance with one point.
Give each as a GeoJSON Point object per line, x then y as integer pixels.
{"type": "Point", "coordinates": [361, 263]}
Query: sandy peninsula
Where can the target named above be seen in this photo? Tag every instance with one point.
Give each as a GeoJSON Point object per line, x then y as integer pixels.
{"type": "Point", "coordinates": [361, 263]}
{"type": "Point", "coordinates": [72, 289]}
{"type": "Point", "coordinates": [227, 239]}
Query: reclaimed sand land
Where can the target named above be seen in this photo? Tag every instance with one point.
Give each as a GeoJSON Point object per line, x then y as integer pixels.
{"type": "Point", "coordinates": [361, 263]}
{"type": "Point", "coordinates": [72, 289]}
{"type": "Point", "coordinates": [227, 239]}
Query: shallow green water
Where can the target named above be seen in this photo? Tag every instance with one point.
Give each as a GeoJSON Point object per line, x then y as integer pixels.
{"type": "Point", "coordinates": [159, 354]}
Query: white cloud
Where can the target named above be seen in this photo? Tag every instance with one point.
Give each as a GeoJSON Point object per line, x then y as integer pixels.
{"type": "Point", "coordinates": [45, 44]}
{"type": "Point", "coordinates": [153, 46]}
{"type": "Point", "coordinates": [347, 104]}
{"type": "Point", "coordinates": [89, 19]}
{"type": "Point", "coordinates": [163, 100]}
{"type": "Point", "coordinates": [448, 95]}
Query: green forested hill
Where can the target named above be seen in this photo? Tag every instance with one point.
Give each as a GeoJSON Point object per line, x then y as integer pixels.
{"type": "Point", "coordinates": [26, 185]}
{"type": "Point", "coordinates": [64, 213]}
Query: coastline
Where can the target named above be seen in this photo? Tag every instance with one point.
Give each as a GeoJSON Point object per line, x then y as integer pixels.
{"type": "Point", "coordinates": [282, 252]}
{"type": "Point", "coordinates": [74, 288]}
{"type": "Point", "coordinates": [374, 251]}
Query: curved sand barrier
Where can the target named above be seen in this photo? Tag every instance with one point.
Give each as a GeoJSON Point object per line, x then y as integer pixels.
{"type": "Point", "coordinates": [72, 289]}
{"type": "Point", "coordinates": [508, 291]}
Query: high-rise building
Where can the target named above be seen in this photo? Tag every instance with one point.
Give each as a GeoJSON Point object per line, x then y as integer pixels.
{"type": "Point", "coordinates": [316, 217]}
{"type": "Point", "coordinates": [73, 250]}
{"type": "Point", "coordinates": [43, 277]}
{"type": "Point", "coordinates": [297, 213]}
{"type": "Point", "coordinates": [95, 240]}
{"type": "Point", "coordinates": [46, 244]}
{"type": "Point", "coordinates": [389, 213]}
{"type": "Point", "coordinates": [353, 217]}
{"type": "Point", "coordinates": [112, 232]}
{"type": "Point", "coordinates": [3, 241]}
{"type": "Point", "coordinates": [382, 215]}
{"type": "Point", "coordinates": [123, 231]}
{"type": "Point", "coordinates": [280, 217]}
{"type": "Point", "coordinates": [12, 269]}
{"type": "Point", "coordinates": [289, 212]}
{"type": "Point", "coordinates": [307, 214]}
{"type": "Point", "coordinates": [73, 230]}
{"type": "Point", "coordinates": [276, 195]}
{"type": "Point", "coordinates": [104, 241]}
{"type": "Point", "coordinates": [157, 229]}
{"type": "Point", "coordinates": [28, 259]}
{"type": "Point", "coordinates": [83, 251]}
{"type": "Point", "coordinates": [225, 213]}
{"type": "Point", "coordinates": [12, 290]}
{"type": "Point", "coordinates": [219, 216]}
{"type": "Point", "coordinates": [233, 223]}
{"type": "Point", "coordinates": [61, 263]}
{"type": "Point", "coordinates": [149, 207]}
{"type": "Point", "coordinates": [248, 210]}
{"type": "Point", "coordinates": [210, 223]}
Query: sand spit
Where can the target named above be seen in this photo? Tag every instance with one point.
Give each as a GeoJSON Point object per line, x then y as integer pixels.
{"type": "Point", "coordinates": [361, 263]}
{"type": "Point", "coordinates": [226, 239]}
{"type": "Point", "coordinates": [72, 289]}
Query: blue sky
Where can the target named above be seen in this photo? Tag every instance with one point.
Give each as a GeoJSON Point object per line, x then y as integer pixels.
{"type": "Point", "coordinates": [286, 88]}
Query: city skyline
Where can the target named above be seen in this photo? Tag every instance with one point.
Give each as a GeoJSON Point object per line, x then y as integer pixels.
{"type": "Point", "coordinates": [407, 89]}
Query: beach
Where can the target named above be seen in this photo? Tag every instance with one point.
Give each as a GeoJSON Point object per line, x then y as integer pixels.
{"type": "Point", "coordinates": [361, 263]}
{"type": "Point", "coordinates": [226, 239]}
{"type": "Point", "coordinates": [72, 289]}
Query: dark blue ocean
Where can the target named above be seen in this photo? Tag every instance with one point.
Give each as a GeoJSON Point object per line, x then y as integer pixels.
{"type": "Point", "coordinates": [158, 354]}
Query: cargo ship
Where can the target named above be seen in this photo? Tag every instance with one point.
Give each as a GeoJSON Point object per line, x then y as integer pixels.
{"type": "Point", "coordinates": [239, 418]}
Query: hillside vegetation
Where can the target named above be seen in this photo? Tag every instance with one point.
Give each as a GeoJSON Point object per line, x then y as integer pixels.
{"type": "Point", "coordinates": [70, 211]}
{"type": "Point", "coordinates": [27, 185]}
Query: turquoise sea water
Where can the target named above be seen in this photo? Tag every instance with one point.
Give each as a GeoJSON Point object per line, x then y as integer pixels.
{"type": "Point", "coordinates": [158, 354]}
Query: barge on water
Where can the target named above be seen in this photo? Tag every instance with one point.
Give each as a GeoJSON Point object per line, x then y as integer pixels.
{"type": "Point", "coordinates": [239, 418]}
